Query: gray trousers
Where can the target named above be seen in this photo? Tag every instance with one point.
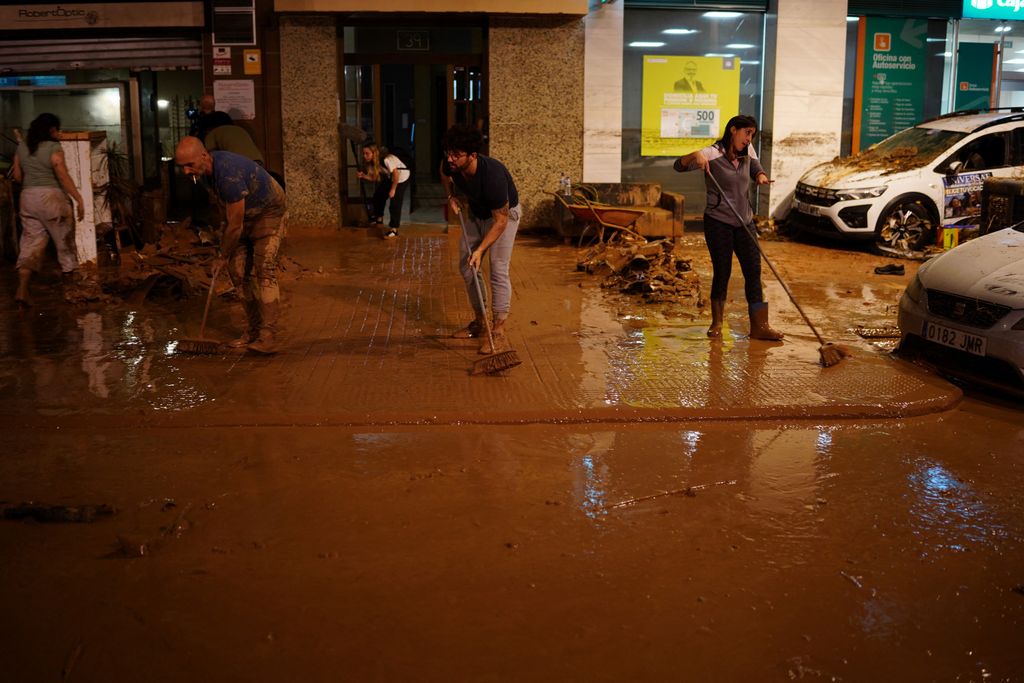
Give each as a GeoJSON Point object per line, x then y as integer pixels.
{"type": "Point", "coordinates": [46, 214]}
{"type": "Point", "coordinates": [500, 255]}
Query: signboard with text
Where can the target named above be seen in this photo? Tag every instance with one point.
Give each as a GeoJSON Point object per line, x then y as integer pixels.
{"type": "Point", "coordinates": [892, 78]}
{"type": "Point", "coordinates": [994, 9]}
{"type": "Point", "coordinates": [686, 101]}
{"type": "Point", "coordinates": [975, 70]}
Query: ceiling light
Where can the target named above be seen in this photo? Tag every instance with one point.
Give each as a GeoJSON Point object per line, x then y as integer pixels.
{"type": "Point", "coordinates": [740, 46]}
{"type": "Point", "coordinates": [680, 31]}
{"type": "Point", "coordinates": [642, 43]}
{"type": "Point", "coordinates": [722, 15]}
{"type": "Point", "coordinates": [1013, 61]}
{"type": "Point", "coordinates": [943, 54]}
{"type": "Point", "coordinates": [1002, 29]}
{"type": "Point", "coordinates": [163, 104]}
{"type": "Point", "coordinates": [718, 54]}
{"type": "Point", "coordinates": [750, 63]}
{"type": "Point", "coordinates": [853, 18]}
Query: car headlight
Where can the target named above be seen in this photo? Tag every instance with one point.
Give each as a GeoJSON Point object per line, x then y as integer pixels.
{"type": "Point", "coordinates": [915, 290]}
{"type": "Point", "coordinates": [865, 193]}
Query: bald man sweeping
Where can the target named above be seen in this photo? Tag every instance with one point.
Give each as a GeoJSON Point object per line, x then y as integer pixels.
{"type": "Point", "coordinates": [254, 205]}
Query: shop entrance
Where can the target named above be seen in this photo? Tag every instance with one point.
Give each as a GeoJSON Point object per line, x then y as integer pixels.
{"type": "Point", "coordinates": [403, 88]}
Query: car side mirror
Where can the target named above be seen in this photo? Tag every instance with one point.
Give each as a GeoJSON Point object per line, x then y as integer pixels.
{"type": "Point", "coordinates": [954, 167]}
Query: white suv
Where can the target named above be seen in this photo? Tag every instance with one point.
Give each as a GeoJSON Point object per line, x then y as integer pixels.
{"type": "Point", "coordinates": [893, 192]}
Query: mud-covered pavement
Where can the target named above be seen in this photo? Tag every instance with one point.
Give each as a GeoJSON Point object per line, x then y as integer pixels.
{"type": "Point", "coordinates": [359, 507]}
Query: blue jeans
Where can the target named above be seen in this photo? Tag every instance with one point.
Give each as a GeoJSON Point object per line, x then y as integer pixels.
{"type": "Point", "coordinates": [500, 254]}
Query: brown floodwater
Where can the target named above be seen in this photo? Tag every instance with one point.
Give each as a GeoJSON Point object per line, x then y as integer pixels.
{"type": "Point", "coordinates": [359, 507]}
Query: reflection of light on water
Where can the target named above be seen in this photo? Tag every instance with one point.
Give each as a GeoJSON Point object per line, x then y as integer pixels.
{"type": "Point", "coordinates": [93, 363]}
{"type": "Point", "coordinates": [690, 443]}
{"type": "Point", "coordinates": [593, 489]}
{"type": "Point", "coordinates": [947, 508]}
{"type": "Point", "coordinates": [824, 442]}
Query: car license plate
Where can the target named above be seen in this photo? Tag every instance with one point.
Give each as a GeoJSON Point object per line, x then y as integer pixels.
{"type": "Point", "coordinates": [809, 209]}
{"type": "Point", "coordinates": [955, 339]}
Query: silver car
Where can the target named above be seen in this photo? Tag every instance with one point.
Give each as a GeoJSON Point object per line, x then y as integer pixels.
{"type": "Point", "coordinates": [964, 311]}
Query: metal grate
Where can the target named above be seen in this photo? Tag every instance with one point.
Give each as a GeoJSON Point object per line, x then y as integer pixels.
{"type": "Point", "coordinates": [960, 309]}
{"type": "Point", "coordinates": [819, 196]}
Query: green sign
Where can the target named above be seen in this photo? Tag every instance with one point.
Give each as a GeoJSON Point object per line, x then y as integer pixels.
{"type": "Point", "coordinates": [994, 9]}
{"type": "Point", "coordinates": [893, 78]}
{"type": "Point", "coordinates": [974, 76]}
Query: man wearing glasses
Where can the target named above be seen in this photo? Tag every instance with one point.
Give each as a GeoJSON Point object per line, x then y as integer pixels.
{"type": "Point", "coordinates": [490, 223]}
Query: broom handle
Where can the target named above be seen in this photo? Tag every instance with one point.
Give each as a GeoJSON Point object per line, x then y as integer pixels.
{"type": "Point", "coordinates": [757, 244]}
{"type": "Point", "coordinates": [209, 298]}
{"type": "Point", "coordinates": [476, 280]}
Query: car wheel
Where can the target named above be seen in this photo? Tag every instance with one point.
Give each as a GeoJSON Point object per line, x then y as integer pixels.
{"type": "Point", "coordinates": [904, 228]}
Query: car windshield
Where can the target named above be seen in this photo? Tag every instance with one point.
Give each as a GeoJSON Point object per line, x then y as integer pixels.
{"type": "Point", "coordinates": [927, 143]}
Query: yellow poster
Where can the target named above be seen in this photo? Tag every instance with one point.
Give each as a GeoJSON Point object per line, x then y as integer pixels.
{"type": "Point", "coordinates": [686, 101]}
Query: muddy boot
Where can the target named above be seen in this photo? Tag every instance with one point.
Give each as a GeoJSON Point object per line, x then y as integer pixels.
{"type": "Point", "coordinates": [759, 328]}
{"type": "Point", "coordinates": [254, 319]}
{"type": "Point", "coordinates": [266, 341]}
{"type": "Point", "coordinates": [500, 340]}
{"type": "Point", "coordinates": [21, 295]}
{"type": "Point", "coordinates": [471, 331]}
{"type": "Point", "coordinates": [717, 318]}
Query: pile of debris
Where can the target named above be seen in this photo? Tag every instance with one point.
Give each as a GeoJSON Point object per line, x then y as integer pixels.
{"type": "Point", "coordinates": [650, 269]}
{"type": "Point", "coordinates": [180, 262]}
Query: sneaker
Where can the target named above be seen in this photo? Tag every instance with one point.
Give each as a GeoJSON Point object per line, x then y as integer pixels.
{"type": "Point", "coordinates": [471, 331]}
{"type": "Point", "coordinates": [390, 233]}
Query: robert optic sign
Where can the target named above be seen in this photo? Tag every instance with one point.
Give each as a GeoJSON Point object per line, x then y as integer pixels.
{"type": "Point", "coordinates": [100, 15]}
{"type": "Point", "coordinates": [994, 9]}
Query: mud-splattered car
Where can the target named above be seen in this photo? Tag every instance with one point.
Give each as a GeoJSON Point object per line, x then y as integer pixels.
{"type": "Point", "coordinates": [964, 310]}
{"type": "Point", "coordinates": [897, 192]}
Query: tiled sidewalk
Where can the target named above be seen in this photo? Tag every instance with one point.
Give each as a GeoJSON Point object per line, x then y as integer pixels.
{"type": "Point", "coordinates": [367, 344]}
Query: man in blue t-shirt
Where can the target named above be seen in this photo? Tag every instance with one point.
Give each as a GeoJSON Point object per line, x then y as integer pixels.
{"type": "Point", "coordinates": [490, 225]}
{"type": "Point", "coordinates": [255, 210]}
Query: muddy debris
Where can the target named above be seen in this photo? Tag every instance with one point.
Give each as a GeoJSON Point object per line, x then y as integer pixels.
{"type": "Point", "coordinates": [887, 332]}
{"type": "Point", "coordinates": [649, 269]}
{"type": "Point", "coordinates": [58, 513]}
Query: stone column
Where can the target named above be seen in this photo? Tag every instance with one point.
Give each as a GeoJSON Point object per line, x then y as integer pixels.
{"type": "Point", "coordinates": [536, 105]}
{"type": "Point", "coordinates": [602, 96]}
{"type": "Point", "coordinates": [805, 50]}
{"type": "Point", "coordinates": [309, 114]}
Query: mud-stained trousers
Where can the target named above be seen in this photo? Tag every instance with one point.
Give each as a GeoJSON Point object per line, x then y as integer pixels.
{"type": "Point", "coordinates": [500, 254]}
{"type": "Point", "coordinates": [253, 271]}
{"type": "Point", "coordinates": [46, 213]}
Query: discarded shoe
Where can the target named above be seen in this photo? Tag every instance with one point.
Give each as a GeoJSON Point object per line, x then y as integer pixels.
{"type": "Point", "coordinates": [890, 269]}
{"type": "Point", "coordinates": [391, 233]}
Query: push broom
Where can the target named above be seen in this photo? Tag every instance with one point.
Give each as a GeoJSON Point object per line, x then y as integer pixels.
{"type": "Point", "coordinates": [494, 362]}
{"type": "Point", "coordinates": [830, 353]}
{"type": "Point", "coordinates": [200, 344]}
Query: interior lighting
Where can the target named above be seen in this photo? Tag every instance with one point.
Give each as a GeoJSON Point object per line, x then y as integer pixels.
{"type": "Point", "coordinates": [1002, 29]}
{"type": "Point", "coordinates": [740, 46]}
{"type": "Point", "coordinates": [719, 54]}
{"type": "Point", "coordinates": [722, 15]}
{"type": "Point", "coordinates": [680, 31]}
{"type": "Point", "coordinates": [1014, 61]}
{"type": "Point", "coordinates": [853, 18]}
{"type": "Point", "coordinates": [943, 54]}
{"type": "Point", "coordinates": [644, 43]}
{"type": "Point", "coordinates": [748, 62]}
{"type": "Point", "coordinates": [163, 104]}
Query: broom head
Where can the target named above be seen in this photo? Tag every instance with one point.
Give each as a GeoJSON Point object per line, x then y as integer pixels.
{"type": "Point", "coordinates": [203, 346]}
{"type": "Point", "coordinates": [497, 362]}
{"type": "Point", "coordinates": [831, 354]}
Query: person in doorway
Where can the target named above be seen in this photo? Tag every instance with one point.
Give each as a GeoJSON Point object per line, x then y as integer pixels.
{"type": "Point", "coordinates": [491, 223]}
{"type": "Point", "coordinates": [45, 208]}
{"type": "Point", "coordinates": [390, 177]}
{"type": "Point", "coordinates": [208, 117]}
{"type": "Point", "coordinates": [733, 163]}
{"type": "Point", "coordinates": [233, 138]}
{"type": "Point", "coordinates": [256, 214]}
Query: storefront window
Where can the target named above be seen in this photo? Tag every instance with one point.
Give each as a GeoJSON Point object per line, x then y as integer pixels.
{"type": "Point", "coordinates": [735, 38]}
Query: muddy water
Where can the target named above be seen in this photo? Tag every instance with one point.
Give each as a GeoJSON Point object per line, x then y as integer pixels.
{"type": "Point", "coordinates": [862, 551]}
{"type": "Point", "coordinates": [692, 550]}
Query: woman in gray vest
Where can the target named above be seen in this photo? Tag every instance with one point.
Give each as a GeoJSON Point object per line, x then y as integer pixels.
{"type": "Point", "coordinates": [45, 212]}
{"type": "Point", "coordinates": [733, 163]}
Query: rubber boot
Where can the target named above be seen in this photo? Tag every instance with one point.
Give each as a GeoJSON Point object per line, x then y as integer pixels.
{"type": "Point", "coordinates": [21, 295]}
{"type": "Point", "coordinates": [759, 328]}
{"type": "Point", "coordinates": [717, 318]}
{"type": "Point", "coordinates": [500, 339]}
{"type": "Point", "coordinates": [266, 341]}
{"type": "Point", "coordinates": [254, 321]}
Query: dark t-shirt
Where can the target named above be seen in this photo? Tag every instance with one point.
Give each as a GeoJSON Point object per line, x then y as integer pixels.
{"type": "Point", "coordinates": [236, 178]}
{"type": "Point", "coordinates": [490, 188]}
